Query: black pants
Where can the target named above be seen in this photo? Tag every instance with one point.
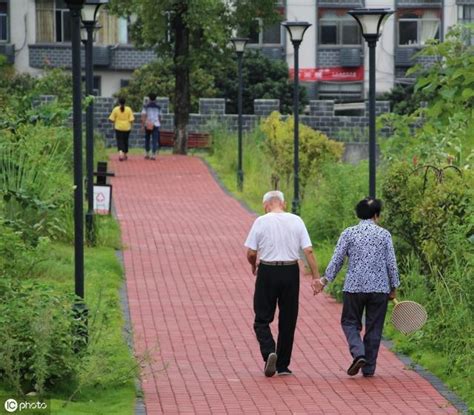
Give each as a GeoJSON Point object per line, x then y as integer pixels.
{"type": "Point", "coordinates": [122, 140]}
{"type": "Point", "coordinates": [276, 284]}
{"type": "Point", "coordinates": [375, 305]}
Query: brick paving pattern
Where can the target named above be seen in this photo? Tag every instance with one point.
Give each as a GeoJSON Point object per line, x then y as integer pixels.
{"type": "Point", "coordinates": [190, 293]}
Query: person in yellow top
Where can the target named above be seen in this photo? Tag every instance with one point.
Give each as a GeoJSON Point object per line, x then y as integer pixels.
{"type": "Point", "coordinates": [122, 117]}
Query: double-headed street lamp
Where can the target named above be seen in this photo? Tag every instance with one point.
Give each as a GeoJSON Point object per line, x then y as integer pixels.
{"type": "Point", "coordinates": [296, 31]}
{"type": "Point", "coordinates": [371, 22]}
{"type": "Point", "coordinates": [90, 14]}
{"type": "Point", "coordinates": [239, 46]}
{"type": "Point", "coordinates": [80, 310]}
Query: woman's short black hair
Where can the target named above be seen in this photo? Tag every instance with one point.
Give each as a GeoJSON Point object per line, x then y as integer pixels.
{"type": "Point", "coordinates": [368, 208]}
{"type": "Point", "coordinates": [152, 96]}
{"type": "Point", "coordinates": [121, 101]}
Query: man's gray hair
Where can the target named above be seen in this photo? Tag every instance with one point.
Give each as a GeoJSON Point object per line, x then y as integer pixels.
{"type": "Point", "coordinates": [274, 194]}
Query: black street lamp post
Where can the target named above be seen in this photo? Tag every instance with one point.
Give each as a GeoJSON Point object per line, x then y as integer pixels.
{"type": "Point", "coordinates": [80, 310]}
{"type": "Point", "coordinates": [90, 14]}
{"type": "Point", "coordinates": [296, 31]}
{"type": "Point", "coordinates": [239, 46]}
{"type": "Point", "coordinates": [371, 23]}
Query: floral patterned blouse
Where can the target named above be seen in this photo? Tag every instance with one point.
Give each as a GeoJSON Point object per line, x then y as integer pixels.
{"type": "Point", "coordinates": [372, 262]}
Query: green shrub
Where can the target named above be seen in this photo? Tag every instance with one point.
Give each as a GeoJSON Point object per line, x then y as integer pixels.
{"type": "Point", "coordinates": [315, 149]}
{"type": "Point", "coordinates": [19, 94]}
{"type": "Point", "coordinates": [330, 199]}
{"type": "Point", "coordinates": [35, 182]}
{"type": "Point", "coordinates": [430, 215]}
{"type": "Point", "coordinates": [36, 340]}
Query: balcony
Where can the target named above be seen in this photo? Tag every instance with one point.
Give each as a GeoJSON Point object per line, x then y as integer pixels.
{"type": "Point", "coordinates": [407, 4]}
{"type": "Point", "coordinates": [345, 4]}
{"type": "Point", "coordinates": [122, 57]}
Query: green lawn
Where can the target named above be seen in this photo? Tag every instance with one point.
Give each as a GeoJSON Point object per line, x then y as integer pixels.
{"type": "Point", "coordinates": [107, 377]}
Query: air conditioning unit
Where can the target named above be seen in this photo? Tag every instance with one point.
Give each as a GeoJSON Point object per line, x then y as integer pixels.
{"type": "Point", "coordinates": [404, 56]}
{"type": "Point", "coordinates": [350, 57]}
{"type": "Point", "coordinates": [102, 56]}
{"type": "Point", "coordinates": [273, 52]}
{"type": "Point", "coordinates": [9, 51]}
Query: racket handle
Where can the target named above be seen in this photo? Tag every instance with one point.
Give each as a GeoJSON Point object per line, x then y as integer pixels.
{"type": "Point", "coordinates": [395, 301]}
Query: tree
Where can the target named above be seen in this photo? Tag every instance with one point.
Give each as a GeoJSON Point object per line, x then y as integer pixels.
{"type": "Point", "coordinates": [262, 78]}
{"type": "Point", "coordinates": [191, 33]}
{"type": "Point", "coordinates": [158, 77]}
{"type": "Point", "coordinates": [443, 130]}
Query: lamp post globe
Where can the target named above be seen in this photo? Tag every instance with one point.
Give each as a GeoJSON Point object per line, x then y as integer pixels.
{"type": "Point", "coordinates": [296, 31]}
{"type": "Point", "coordinates": [371, 22]}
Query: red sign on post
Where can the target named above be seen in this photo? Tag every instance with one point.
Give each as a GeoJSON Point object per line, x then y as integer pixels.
{"type": "Point", "coordinates": [334, 74]}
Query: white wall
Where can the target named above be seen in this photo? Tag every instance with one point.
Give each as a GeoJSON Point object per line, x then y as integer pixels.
{"type": "Point", "coordinates": [450, 14]}
{"type": "Point", "coordinates": [23, 32]}
{"type": "Point", "coordinates": [302, 11]}
{"type": "Point", "coordinates": [110, 81]}
{"type": "Point", "coordinates": [384, 52]}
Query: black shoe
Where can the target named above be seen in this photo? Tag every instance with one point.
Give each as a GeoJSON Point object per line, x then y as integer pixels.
{"type": "Point", "coordinates": [284, 372]}
{"type": "Point", "coordinates": [270, 365]}
{"type": "Point", "coordinates": [368, 375]}
{"type": "Point", "coordinates": [357, 364]}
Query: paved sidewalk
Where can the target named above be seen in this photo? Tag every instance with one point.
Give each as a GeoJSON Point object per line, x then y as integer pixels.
{"type": "Point", "coordinates": [190, 292]}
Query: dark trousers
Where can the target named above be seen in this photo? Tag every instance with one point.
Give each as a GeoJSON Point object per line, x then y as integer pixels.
{"type": "Point", "coordinates": [276, 285]}
{"type": "Point", "coordinates": [375, 306]}
{"type": "Point", "coordinates": [122, 140]}
{"type": "Point", "coordinates": [155, 139]}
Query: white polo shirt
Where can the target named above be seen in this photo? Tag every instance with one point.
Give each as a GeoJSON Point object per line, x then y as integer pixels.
{"type": "Point", "coordinates": [278, 237]}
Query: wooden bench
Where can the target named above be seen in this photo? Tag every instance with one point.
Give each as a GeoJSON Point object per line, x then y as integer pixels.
{"type": "Point", "coordinates": [195, 140]}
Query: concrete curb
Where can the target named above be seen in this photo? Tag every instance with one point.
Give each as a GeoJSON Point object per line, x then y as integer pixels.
{"type": "Point", "coordinates": [140, 408]}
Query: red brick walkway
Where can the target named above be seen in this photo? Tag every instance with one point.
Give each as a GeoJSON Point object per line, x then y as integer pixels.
{"type": "Point", "coordinates": [190, 292]}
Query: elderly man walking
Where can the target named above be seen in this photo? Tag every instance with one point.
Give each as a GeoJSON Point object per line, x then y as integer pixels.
{"type": "Point", "coordinates": [278, 238]}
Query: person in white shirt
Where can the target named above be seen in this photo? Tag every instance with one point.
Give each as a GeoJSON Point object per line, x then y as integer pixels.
{"type": "Point", "coordinates": [277, 238]}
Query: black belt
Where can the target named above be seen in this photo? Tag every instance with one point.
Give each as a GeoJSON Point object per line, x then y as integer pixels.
{"type": "Point", "coordinates": [279, 263]}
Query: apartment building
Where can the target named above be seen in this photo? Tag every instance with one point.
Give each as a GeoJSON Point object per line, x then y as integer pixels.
{"type": "Point", "coordinates": [37, 33]}
{"type": "Point", "coordinates": [333, 56]}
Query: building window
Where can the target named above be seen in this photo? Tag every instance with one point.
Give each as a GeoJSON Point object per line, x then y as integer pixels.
{"type": "Point", "coordinates": [466, 13]}
{"type": "Point", "coordinates": [96, 85]}
{"type": "Point", "coordinates": [338, 29]}
{"type": "Point", "coordinates": [466, 16]}
{"type": "Point", "coordinates": [3, 21]}
{"type": "Point", "coordinates": [53, 24]}
{"type": "Point", "coordinates": [62, 21]}
{"type": "Point", "coordinates": [123, 30]}
{"type": "Point", "coordinates": [415, 29]}
{"type": "Point", "coordinates": [265, 35]}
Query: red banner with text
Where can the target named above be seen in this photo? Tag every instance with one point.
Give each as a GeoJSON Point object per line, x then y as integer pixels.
{"type": "Point", "coordinates": [334, 74]}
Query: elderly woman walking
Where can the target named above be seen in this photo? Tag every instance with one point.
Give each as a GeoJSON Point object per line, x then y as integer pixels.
{"type": "Point", "coordinates": [371, 280]}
